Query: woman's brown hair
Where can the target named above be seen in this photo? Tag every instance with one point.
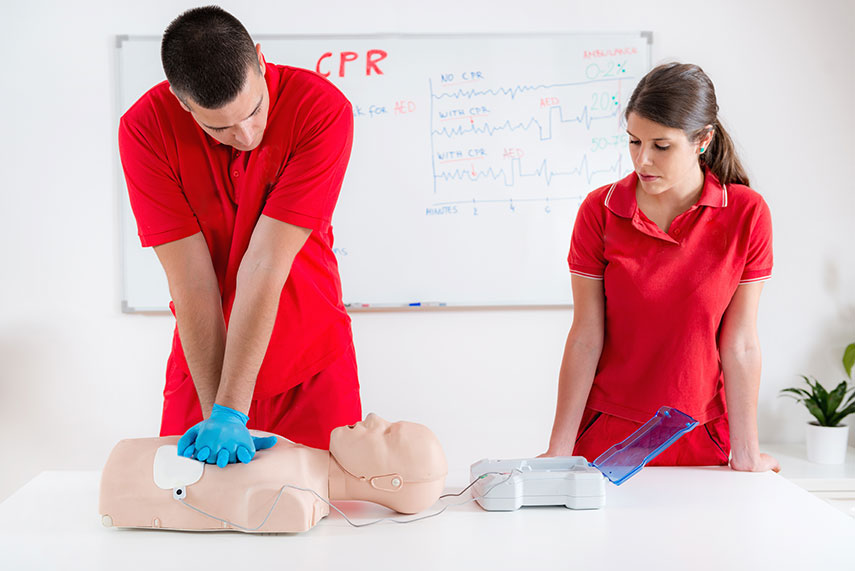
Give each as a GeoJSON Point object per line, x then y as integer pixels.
{"type": "Point", "coordinates": [681, 96]}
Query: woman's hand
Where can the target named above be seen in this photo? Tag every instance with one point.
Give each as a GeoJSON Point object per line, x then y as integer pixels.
{"type": "Point", "coordinates": [553, 453]}
{"type": "Point", "coordinates": [759, 463]}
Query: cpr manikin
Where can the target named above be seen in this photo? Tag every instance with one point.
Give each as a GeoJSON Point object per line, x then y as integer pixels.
{"type": "Point", "coordinates": [399, 465]}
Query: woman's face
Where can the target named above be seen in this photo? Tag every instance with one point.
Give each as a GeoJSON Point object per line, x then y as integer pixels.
{"type": "Point", "coordinates": [663, 157]}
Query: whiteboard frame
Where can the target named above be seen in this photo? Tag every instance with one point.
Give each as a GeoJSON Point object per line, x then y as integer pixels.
{"type": "Point", "coordinates": [123, 203]}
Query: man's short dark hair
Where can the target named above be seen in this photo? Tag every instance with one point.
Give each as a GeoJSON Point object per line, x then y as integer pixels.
{"type": "Point", "coordinates": [206, 53]}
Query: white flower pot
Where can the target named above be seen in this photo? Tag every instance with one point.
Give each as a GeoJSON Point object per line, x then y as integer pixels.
{"type": "Point", "coordinates": [827, 444]}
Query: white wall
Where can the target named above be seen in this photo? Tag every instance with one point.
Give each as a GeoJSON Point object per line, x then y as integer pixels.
{"type": "Point", "coordinates": [76, 375]}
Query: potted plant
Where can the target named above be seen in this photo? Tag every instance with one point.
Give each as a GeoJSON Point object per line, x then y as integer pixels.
{"type": "Point", "coordinates": [826, 436]}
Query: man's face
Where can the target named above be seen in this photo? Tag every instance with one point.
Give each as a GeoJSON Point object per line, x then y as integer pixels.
{"type": "Point", "coordinates": [241, 122]}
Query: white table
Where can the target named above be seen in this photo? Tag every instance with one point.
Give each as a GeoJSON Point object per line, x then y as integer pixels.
{"type": "Point", "coordinates": [835, 483]}
{"type": "Point", "coordinates": [665, 518]}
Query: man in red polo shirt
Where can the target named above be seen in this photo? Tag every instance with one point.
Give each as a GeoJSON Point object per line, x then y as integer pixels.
{"type": "Point", "coordinates": [234, 166]}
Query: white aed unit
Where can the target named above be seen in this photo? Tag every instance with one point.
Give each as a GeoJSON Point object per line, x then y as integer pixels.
{"type": "Point", "coordinates": [506, 485]}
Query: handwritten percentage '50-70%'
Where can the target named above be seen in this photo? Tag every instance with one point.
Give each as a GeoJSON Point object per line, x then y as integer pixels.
{"type": "Point", "coordinates": [603, 143]}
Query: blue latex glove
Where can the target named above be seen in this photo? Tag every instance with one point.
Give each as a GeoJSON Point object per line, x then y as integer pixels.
{"type": "Point", "coordinates": [222, 439]}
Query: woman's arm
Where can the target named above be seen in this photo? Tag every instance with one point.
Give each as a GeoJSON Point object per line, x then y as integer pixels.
{"type": "Point", "coordinates": [581, 355]}
{"type": "Point", "coordinates": [740, 361]}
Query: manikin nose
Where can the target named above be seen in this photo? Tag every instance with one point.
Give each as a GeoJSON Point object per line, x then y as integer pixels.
{"type": "Point", "coordinates": [373, 421]}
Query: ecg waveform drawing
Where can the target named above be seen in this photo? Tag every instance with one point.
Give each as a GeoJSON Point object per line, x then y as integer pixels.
{"type": "Point", "coordinates": [541, 170]}
{"type": "Point", "coordinates": [584, 117]}
{"type": "Point", "coordinates": [512, 92]}
{"type": "Point", "coordinates": [505, 143]}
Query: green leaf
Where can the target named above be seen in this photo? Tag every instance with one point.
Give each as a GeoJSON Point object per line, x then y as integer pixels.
{"type": "Point", "coordinates": [820, 393]}
{"type": "Point", "coordinates": [811, 386]}
{"type": "Point", "coordinates": [835, 397]}
{"type": "Point", "coordinates": [811, 383]}
{"type": "Point", "coordinates": [801, 392]}
{"type": "Point", "coordinates": [843, 413]}
{"type": "Point", "coordinates": [847, 408]}
{"type": "Point", "coordinates": [849, 359]}
{"type": "Point", "coordinates": [816, 412]}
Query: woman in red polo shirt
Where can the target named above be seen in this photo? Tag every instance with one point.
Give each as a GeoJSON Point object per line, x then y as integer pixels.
{"type": "Point", "coordinates": [667, 267]}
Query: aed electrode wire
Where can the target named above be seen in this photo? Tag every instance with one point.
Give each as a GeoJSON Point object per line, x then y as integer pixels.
{"type": "Point", "coordinates": [313, 492]}
{"type": "Point", "coordinates": [472, 483]}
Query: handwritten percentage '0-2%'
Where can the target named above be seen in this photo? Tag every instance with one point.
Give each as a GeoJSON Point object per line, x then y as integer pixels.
{"type": "Point", "coordinates": [605, 69]}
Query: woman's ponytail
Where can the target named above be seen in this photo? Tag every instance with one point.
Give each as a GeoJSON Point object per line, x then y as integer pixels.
{"type": "Point", "coordinates": [721, 157]}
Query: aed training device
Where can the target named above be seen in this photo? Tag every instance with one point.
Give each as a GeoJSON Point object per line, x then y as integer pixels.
{"type": "Point", "coordinates": [506, 485]}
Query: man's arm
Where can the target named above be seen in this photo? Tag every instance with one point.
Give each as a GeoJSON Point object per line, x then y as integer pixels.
{"type": "Point", "coordinates": [260, 279]}
{"type": "Point", "coordinates": [198, 311]}
{"type": "Point", "coordinates": [225, 366]}
{"type": "Point", "coordinates": [740, 362]}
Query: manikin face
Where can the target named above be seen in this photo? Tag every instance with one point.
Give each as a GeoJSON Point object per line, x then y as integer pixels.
{"type": "Point", "coordinates": [663, 157]}
{"type": "Point", "coordinates": [375, 447]}
{"type": "Point", "coordinates": [241, 122]}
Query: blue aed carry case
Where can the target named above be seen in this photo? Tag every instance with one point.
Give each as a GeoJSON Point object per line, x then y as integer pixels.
{"type": "Point", "coordinates": [504, 485]}
{"type": "Point", "coordinates": [622, 460]}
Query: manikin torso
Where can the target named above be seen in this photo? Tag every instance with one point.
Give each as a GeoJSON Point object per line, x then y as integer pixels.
{"type": "Point", "coordinates": [146, 484]}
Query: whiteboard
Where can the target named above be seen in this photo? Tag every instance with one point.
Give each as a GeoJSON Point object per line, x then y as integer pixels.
{"type": "Point", "coordinates": [471, 157]}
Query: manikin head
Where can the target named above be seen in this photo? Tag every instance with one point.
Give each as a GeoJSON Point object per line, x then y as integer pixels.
{"type": "Point", "coordinates": [400, 465]}
{"type": "Point", "coordinates": [217, 74]}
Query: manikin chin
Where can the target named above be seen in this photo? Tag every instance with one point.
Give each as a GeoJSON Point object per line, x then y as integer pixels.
{"type": "Point", "coordinates": [146, 484]}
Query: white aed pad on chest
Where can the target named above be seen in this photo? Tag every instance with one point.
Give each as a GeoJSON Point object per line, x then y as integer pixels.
{"type": "Point", "coordinates": [505, 485]}
{"type": "Point", "coordinates": [172, 471]}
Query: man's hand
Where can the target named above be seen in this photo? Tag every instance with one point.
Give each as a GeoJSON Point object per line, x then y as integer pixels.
{"type": "Point", "coordinates": [222, 439]}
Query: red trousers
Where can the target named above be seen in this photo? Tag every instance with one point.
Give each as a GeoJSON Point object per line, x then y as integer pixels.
{"type": "Point", "coordinates": [706, 445]}
{"type": "Point", "coordinates": [305, 414]}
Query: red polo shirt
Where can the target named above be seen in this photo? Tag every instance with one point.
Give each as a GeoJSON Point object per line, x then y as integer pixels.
{"type": "Point", "coordinates": [666, 293]}
{"type": "Point", "coordinates": [181, 181]}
